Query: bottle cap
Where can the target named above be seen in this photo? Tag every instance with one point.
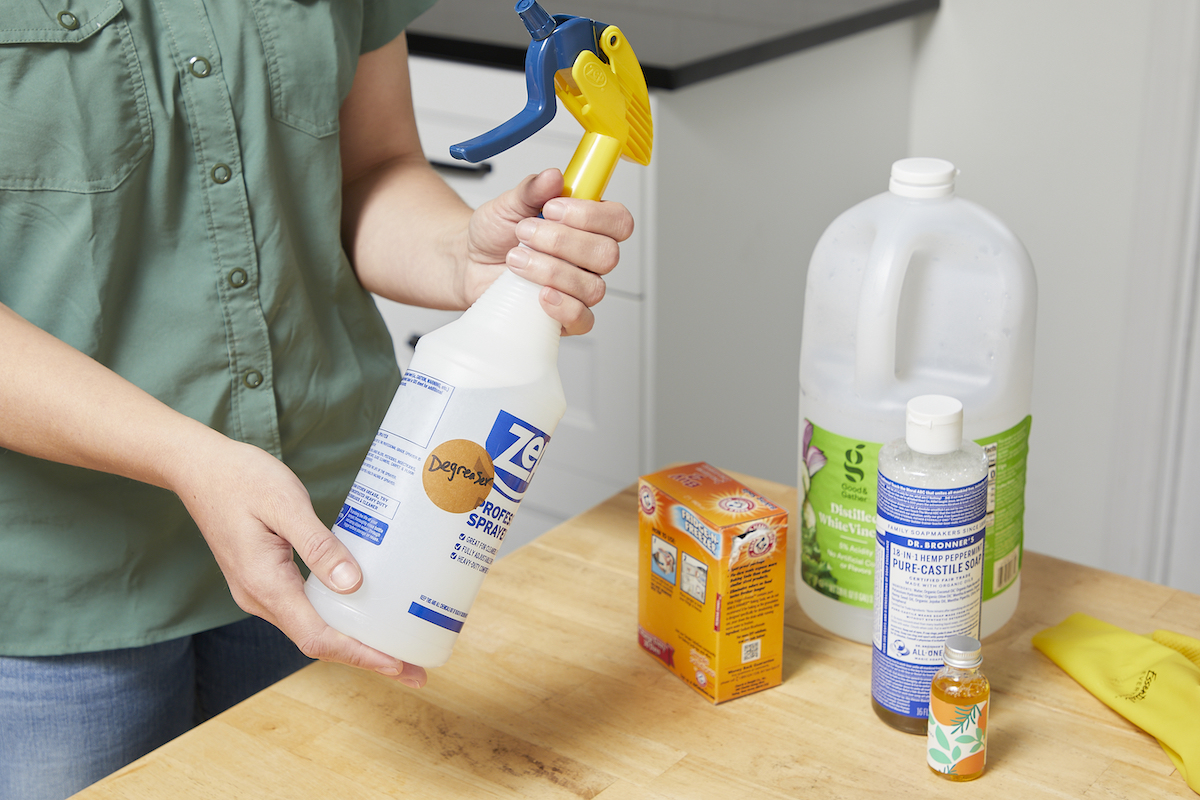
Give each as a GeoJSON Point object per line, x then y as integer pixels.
{"type": "Point", "coordinates": [964, 652]}
{"type": "Point", "coordinates": [933, 424]}
{"type": "Point", "coordinates": [923, 177]}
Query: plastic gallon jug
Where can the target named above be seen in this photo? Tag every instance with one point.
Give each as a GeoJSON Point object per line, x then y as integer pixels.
{"type": "Point", "coordinates": [446, 473]}
{"type": "Point", "coordinates": [914, 291]}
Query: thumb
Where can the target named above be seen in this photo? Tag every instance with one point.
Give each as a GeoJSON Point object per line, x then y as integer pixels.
{"type": "Point", "coordinates": [527, 199]}
{"type": "Point", "coordinates": [329, 559]}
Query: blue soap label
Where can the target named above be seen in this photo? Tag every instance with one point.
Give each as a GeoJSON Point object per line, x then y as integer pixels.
{"type": "Point", "coordinates": [929, 552]}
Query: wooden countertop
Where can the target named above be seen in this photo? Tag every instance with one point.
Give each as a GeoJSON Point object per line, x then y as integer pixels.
{"type": "Point", "coordinates": [548, 695]}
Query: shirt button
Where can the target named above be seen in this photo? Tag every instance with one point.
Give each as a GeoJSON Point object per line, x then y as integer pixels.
{"type": "Point", "coordinates": [199, 66]}
{"type": "Point", "coordinates": [68, 20]}
{"type": "Point", "coordinates": [221, 173]}
{"type": "Point", "coordinates": [238, 277]}
{"type": "Point", "coordinates": [252, 378]}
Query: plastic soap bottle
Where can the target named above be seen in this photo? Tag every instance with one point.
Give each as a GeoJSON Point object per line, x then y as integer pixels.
{"type": "Point", "coordinates": [446, 473]}
{"type": "Point", "coordinates": [929, 544]}
{"type": "Point", "coordinates": [959, 697]}
{"type": "Point", "coordinates": [914, 291]}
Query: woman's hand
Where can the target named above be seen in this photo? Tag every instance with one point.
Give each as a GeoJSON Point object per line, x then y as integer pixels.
{"type": "Point", "coordinates": [567, 251]}
{"type": "Point", "coordinates": [252, 511]}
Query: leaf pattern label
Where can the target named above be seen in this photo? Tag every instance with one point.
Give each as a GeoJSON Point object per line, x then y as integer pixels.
{"type": "Point", "coordinates": [957, 743]}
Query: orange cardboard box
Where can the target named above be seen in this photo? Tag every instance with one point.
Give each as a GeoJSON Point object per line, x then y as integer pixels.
{"type": "Point", "coordinates": [711, 580]}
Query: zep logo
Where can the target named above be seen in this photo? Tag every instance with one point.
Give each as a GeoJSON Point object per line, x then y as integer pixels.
{"type": "Point", "coordinates": [516, 447]}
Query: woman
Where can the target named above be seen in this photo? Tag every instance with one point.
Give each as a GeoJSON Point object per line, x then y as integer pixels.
{"type": "Point", "coordinates": [196, 200]}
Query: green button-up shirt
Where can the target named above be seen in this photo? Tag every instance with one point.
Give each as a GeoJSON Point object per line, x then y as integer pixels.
{"type": "Point", "coordinates": [170, 196]}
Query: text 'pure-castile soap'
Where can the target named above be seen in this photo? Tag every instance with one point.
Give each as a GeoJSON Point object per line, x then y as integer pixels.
{"type": "Point", "coordinates": [914, 291]}
{"type": "Point", "coordinates": [481, 397]}
{"type": "Point", "coordinates": [929, 540]}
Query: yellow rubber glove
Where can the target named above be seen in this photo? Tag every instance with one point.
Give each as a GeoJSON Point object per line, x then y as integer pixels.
{"type": "Point", "coordinates": [1154, 682]}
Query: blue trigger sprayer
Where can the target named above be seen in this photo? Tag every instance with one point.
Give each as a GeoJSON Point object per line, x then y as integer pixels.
{"type": "Point", "coordinates": [481, 397]}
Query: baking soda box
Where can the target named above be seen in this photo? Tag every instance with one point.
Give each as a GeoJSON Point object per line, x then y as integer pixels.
{"type": "Point", "coordinates": [711, 576]}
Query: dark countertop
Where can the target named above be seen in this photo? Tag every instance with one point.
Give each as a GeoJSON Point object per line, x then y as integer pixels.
{"type": "Point", "coordinates": [679, 42]}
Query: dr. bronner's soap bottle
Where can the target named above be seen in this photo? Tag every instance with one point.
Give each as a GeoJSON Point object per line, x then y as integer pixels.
{"type": "Point", "coordinates": [928, 556]}
{"type": "Point", "coordinates": [446, 473]}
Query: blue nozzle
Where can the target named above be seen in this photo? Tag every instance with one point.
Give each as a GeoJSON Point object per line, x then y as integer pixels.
{"type": "Point", "coordinates": [556, 42]}
{"type": "Point", "coordinates": [537, 21]}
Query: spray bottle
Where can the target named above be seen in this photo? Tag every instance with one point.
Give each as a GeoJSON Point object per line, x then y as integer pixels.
{"type": "Point", "coordinates": [481, 398]}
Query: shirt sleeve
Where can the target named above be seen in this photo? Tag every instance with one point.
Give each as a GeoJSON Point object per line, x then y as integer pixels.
{"type": "Point", "coordinates": [383, 20]}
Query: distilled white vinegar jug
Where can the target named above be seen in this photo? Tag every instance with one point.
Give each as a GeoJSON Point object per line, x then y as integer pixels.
{"type": "Point", "coordinates": [445, 475]}
{"type": "Point", "coordinates": [914, 291]}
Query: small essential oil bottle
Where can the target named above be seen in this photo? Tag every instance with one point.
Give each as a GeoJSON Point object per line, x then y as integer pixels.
{"type": "Point", "coordinates": [958, 712]}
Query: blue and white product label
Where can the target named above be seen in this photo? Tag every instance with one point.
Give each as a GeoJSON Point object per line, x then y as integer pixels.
{"type": "Point", "coordinates": [432, 503]}
{"type": "Point", "coordinates": [513, 449]}
{"type": "Point", "coordinates": [929, 547]}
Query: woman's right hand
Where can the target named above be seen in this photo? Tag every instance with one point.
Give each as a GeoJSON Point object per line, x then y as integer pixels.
{"type": "Point", "coordinates": [253, 512]}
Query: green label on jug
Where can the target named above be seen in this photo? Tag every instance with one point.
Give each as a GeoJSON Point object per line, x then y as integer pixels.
{"type": "Point", "coordinates": [1007, 453]}
{"type": "Point", "coordinates": [839, 478]}
{"type": "Point", "coordinates": [837, 536]}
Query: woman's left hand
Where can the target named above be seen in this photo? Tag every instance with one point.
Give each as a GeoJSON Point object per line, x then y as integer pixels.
{"type": "Point", "coordinates": [567, 251]}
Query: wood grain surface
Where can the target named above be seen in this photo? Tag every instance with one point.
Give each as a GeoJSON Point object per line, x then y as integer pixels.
{"type": "Point", "coordinates": [549, 696]}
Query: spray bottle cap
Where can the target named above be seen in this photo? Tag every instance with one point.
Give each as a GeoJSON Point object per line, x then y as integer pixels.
{"type": "Point", "coordinates": [964, 652]}
{"type": "Point", "coordinates": [933, 424]}
{"type": "Point", "coordinates": [591, 68]}
{"type": "Point", "coordinates": [923, 177]}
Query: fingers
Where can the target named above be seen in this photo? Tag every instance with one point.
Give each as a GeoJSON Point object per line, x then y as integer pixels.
{"type": "Point", "coordinates": [327, 557]}
{"type": "Point", "coordinates": [595, 252]}
{"type": "Point", "coordinates": [275, 592]}
{"type": "Point", "coordinates": [331, 562]}
{"type": "Point", "coordinates": [602, 217]}
{"type": "Point", "coordinates": [535, 191]}
{"type": "Point", "coordinates": [573, 316]}
{"type": "Point", "coordinates": [567, 252]}
{"type": "Point", "coordinates": [567, 249]}
{"type": "Point", "coordinates": [252, 534]}
{"type": "Point", "coordinates": [316, 639]}
{"type": "Point", "coordinates": [557, 273]}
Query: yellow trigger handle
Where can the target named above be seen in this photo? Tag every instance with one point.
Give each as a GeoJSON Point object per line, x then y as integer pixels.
{"type": "Point", "coordinates": [612, 104]}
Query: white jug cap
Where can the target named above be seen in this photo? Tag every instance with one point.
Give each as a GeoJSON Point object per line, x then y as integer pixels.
{"type": "Point", "coordinates": [934, 424]}
{"type": "Point", "coordinates": [923, 177]}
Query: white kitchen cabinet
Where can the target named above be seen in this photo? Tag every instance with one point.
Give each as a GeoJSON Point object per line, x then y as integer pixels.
{"type": "Point", "coordinates": [596, 449]}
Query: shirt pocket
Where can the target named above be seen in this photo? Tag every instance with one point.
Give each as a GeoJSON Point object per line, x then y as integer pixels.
{"type": "Point", "coordinates": [311, 48]}
{"type": "Point", "coordinates": [74, 112]}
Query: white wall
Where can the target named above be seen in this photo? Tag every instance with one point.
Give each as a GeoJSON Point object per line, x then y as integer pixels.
{"type": "Point", "coordinates": [1066, 120]}
{"type": "Point", "coordinates": [751, 168]}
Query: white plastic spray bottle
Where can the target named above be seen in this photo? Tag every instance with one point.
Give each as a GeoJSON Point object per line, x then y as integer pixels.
{"type": "Point", "coordinates": [481, 398]}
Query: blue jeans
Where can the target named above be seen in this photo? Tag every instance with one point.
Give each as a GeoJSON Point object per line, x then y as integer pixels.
{"type": "Point", "coordinates": [67, 721]}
